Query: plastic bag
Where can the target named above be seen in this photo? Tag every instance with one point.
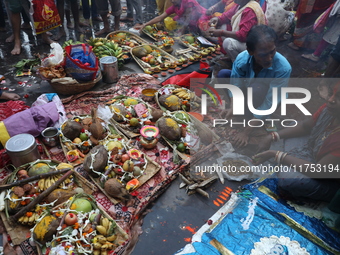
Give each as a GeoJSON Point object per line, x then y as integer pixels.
{"type": "Point", "coordinates": [81, 63]}
{"type": "Point", "coordinates": [56, 56]}
{"type": "Point", "coordinates": [52, 97]}
{"type": "Point", "coordinates": [104, 113]}
{"type": "Point", "coordinates": [45, 15]}
{"type": "Point", "coordinates": [170, 24]}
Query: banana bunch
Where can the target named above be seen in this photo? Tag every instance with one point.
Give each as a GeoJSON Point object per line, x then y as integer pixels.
{"type": "Point", "coordinates": [183, 93]}
{"type": "Point", "coordinates": [102, 245]}
{"type": "Point", "coordinates": [105, 227]}
{"type": "Point", "coordinates": [71, 42]}
{"type": "Point", "coordinates": [31, 220]}
{"type": "Point", "coordinates": [103, 47]}
{"type": "Point", "coordinates": [44, 184]}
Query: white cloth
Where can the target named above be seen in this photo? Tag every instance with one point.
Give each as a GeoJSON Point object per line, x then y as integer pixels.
{"type": "Point", "coordinates": [233, 47]}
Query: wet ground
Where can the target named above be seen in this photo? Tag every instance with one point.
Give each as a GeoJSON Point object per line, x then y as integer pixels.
{"type": "Point", "coordinates": [175, 216]}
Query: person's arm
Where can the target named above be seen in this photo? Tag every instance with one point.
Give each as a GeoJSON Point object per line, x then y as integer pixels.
{"type": "Point", "coordinates": [301, 129]}
{"type": "Point", "coordinates": [300, 165]}
{"type": "Point", "coordinates": [9, 96]}
{"type": "Point", "coordinates": [155, 20]}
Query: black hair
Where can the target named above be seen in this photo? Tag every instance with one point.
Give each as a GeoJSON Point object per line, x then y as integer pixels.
{"type": "Point", "coordinates": [260, 33]}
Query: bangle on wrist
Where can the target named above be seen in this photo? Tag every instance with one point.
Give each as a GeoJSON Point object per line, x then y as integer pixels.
{"type": "Point", "coordinates": [275, 136]}
{"type": "Point", "coordinates": [279, 157]}
{"type": "Point", "coordinates": [283, 156]}
{"type": "Point", "coordinates": [276, 156]}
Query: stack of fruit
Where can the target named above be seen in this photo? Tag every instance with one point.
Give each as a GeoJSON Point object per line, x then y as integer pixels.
{"type": "Point", "coordinates": [103, 47]}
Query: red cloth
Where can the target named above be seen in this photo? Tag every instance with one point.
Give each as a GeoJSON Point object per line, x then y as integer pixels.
{"type": "Point", "coordinates": [11, 107]}
{"type": "Point", "coordinates": [180, 10]}
{"type": "Point", "coordinates": [248, 20]}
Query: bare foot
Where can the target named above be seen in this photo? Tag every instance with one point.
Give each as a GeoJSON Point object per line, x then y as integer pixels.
{"type": "Point", "coordinates": [293, 46]}
{"type": "Point", "coordinates": [10, 39]}
{"type": "Point", "coordinates": [83, 24]}
{"type": "Point", "coordinates": [117, 27]}
{"type": "Point", "coordinates": [25, 26]}
{"type": "Point", "coordinates": [103, 31]}
{"type": "Point", "coordinates": [70, 25]}
{"type": "Point", "coordinates": [60, 34]}
{"type": "Point", "coordinates": [17, 48]}
{"type": "Point", "coordinates": [311, 57]}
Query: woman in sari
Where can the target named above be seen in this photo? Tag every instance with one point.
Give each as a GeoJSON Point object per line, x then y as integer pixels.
{"type": "Point", "coordinates": [322, 152]}
{"type": "Point", "coordinates": [239, 20]}
{"type": "Point", "coordinates": [187, 12]}
{"type": "Point", "coordinates": [307, 12]}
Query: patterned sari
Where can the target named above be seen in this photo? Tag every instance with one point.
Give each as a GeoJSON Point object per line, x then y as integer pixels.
{"type": "Point", "coordinates": [307, 12]}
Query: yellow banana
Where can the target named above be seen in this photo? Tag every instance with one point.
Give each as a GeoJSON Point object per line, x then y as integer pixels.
{"type": "Point", "coordinates": [47, 183]}
{"type": "Point", "coordinates": [111, 238]}
{"type": "Point", "coordinates": [31, 219]}
{"type": "Point", "coordinates": [105, 223]}
{"type": "Point", "coordinates": [101, 230]}
{"type": "Point", "coordinates": [41, 184]}
{"type": "Point", "coordinates": [25, 220]}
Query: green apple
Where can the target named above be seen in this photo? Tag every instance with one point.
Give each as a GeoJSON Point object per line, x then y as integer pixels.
{"type": "Point", "coordinates": [83, 137]}
{"type": "Point", "coordinates": [82, 205]}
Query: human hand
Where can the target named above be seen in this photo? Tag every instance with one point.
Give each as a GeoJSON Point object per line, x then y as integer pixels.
{"type": "Point", "coordinates": [215, 32]}
{"type": "Point", "coordinates": [240, 140]}
{"type": "Point", "coordinates": [263, 157]}
{"type": "Point", "coordinates": [209, 12]}
{"type": "Point", "coordinates": [213, 22]}
{"type": "Point", "coordinates": [140, 27]}
{"type": "Point", "coordinates": [9, 96]}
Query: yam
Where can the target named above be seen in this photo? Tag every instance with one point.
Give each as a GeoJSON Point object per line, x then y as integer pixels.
{"type": "Point", "coordinates": [60, 196]}
{"type": "Point", "coordinates": [117, 190]}
{"type": "Point", "coordinates": [71, 129]}
{"type": "Point", "coordinates": [169, 128]}
{"type": "Point", "coordinates": [156, 114]}
{"type": "Point", "coordinates": [96, 160]}
{"type": "Point", "coordinates": [170, 102]}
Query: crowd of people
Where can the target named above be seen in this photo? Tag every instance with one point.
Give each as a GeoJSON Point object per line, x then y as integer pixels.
{"type": "Point", "coordinates": [242, 29]}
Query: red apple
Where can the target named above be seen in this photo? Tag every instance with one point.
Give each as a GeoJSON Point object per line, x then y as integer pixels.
{"type": "Point", "coordinates": [71, 219]}
{"type": "Point", "coordinates": [125, 157]}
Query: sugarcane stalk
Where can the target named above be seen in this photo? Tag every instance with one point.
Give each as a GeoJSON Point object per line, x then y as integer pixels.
{"type": "Point", "coordinates": [39, 198]}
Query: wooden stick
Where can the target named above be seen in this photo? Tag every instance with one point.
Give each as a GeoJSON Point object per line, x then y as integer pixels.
{"type": "Point", "coordinates": [39, 198]}
{"type": "Point", "coordinates": [33, 178]}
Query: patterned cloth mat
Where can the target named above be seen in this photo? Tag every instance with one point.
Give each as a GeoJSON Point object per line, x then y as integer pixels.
{"type": "Point", "coordinates": [126, 215]}
{"type": "Point", "coordinates": [257, 221]}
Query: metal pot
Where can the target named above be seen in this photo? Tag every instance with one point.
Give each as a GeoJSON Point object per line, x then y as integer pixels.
{"type": "Point", "coordinates": [50, 136]}
{"type": "Point", "coordinates": [22, 149]}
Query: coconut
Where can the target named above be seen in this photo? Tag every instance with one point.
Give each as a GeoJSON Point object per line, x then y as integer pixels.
{"type": "Point", "coordinates": [169, 128]}
{"type": "Point", "coordinates": [170, 102]}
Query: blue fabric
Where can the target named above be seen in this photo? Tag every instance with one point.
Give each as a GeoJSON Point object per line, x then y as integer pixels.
{"type": "Point", "coordinates": [314, 225]}
{"type": "Point", "coordinates": [50, 96]}
{"type": "Point", "coordinates": [275, 76]}
{"type": "Point", "coordinates": [83, 57]}
{"type": "Point", "coordinates": [233, 234]}
{"type": "Point", "coordinates": [224, 73]}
